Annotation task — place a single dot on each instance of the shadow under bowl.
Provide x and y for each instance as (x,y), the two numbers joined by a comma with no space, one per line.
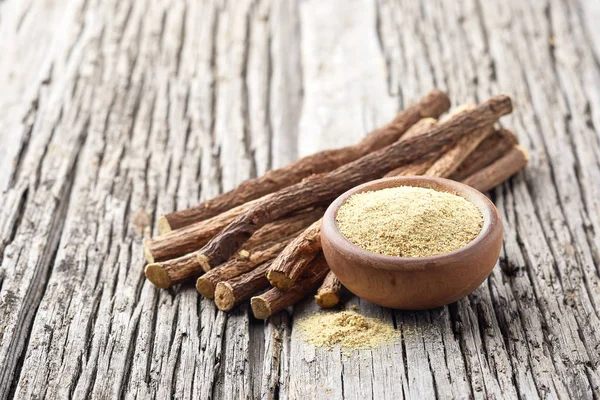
(421,282)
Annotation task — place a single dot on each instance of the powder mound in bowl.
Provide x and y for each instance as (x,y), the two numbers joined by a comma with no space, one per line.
(407,221)
(348,329)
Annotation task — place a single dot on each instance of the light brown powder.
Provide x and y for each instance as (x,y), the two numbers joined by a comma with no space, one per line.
(408,221)
(347,329)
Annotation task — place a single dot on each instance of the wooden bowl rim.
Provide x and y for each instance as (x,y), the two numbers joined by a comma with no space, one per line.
(491,222)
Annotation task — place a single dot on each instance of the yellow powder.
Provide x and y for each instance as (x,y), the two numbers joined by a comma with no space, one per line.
(348,329)
(408,221)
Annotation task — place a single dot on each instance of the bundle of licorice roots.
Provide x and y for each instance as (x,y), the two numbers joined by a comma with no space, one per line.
(261,240)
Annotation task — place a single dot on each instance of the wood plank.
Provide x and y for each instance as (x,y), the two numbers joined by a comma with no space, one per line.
(116,112)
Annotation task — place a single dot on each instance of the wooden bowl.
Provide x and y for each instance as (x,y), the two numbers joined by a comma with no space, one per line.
(421,282)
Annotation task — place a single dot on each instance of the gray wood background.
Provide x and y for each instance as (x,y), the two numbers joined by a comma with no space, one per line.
(115,111)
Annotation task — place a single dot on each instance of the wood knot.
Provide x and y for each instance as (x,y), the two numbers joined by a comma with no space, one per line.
(509,268)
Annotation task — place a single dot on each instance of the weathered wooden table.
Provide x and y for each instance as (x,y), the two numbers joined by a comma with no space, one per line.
(113,112)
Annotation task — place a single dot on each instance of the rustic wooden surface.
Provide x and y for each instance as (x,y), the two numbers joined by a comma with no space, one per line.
(113,112)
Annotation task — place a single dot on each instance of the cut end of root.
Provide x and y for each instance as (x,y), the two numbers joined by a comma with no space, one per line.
(260,308)
(157,275)
(163,225)
(224,299)
(279,280)
(327,300)
(205,287)
(148,254)
(437,103)
(524,152)
(204,262)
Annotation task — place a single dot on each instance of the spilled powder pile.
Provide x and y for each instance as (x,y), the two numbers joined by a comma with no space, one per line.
(346,328)
(408,221)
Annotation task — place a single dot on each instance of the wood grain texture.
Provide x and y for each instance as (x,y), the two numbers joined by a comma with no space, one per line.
(116,112)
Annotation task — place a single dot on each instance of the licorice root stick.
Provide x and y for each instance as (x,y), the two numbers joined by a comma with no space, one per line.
(499,171)
(328,294)
(293,260)
(447,164)
(241,264)
(185,240)
(275,300)
(232,292)
(491,149)
(433,105)
(264,245)
(190,238)
(325,187)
